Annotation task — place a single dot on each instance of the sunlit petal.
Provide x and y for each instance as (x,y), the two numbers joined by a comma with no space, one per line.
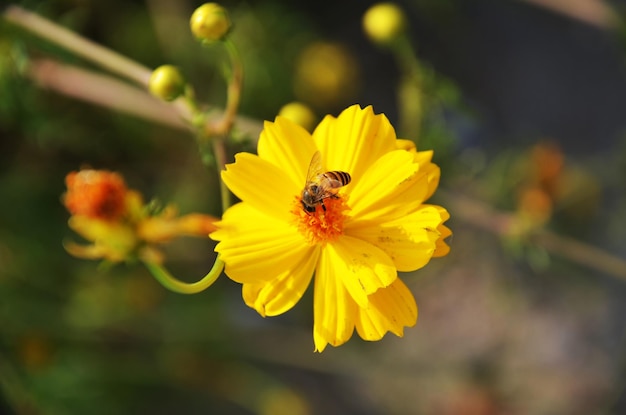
(361,266)
(391,187)
(282,292)
(354,140)
(389,309)
(256,247)
(261,184)
(291,156)
(403,144)
(442,248)
(432,171)
(334,310)
(409,241)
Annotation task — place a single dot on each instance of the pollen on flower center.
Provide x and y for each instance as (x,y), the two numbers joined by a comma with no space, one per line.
(323,225)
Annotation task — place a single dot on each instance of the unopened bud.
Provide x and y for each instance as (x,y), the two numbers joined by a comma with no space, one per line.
(210,22)
(384,22)
(167,83)
(299,114)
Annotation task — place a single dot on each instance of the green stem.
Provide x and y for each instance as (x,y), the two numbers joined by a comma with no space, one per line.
(218,133)
(233,93)
(410,90)
(230,113)
(170,282)
(219,151)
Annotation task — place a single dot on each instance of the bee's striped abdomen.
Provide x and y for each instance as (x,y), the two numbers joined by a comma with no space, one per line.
(337,178)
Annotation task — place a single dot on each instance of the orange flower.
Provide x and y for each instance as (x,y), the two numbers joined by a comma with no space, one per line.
(118,223)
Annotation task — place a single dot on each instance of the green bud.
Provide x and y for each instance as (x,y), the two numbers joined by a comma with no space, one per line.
(210,22)
(167,83)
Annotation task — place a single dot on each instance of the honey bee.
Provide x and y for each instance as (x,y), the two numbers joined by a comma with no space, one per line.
(321,185)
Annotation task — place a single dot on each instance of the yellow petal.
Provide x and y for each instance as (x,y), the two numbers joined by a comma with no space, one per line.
(361,266)
(403,144)
(87,251)
(391,187)
(333,308)
(261,184)
(389,309)
(410,241)
(423,157)
(256,247)
(432,171)
(283,292)
(354,140)
(442,247)
(287,146)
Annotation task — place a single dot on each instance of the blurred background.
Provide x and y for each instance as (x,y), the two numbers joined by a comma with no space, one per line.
(524,105)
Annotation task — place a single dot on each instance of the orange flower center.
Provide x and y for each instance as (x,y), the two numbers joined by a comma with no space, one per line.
(323,225)
(98,194)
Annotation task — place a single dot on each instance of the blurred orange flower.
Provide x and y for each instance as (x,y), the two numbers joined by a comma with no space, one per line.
(118,223)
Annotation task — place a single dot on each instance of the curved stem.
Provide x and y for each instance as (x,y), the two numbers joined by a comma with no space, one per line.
(173,284)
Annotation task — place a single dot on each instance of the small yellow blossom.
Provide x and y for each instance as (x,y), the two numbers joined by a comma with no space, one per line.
(355,240)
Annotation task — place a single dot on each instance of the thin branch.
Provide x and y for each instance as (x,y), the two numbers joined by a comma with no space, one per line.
(77,44)
(483,216)
(593,12)
(582,253)
(109,92)
(103,90)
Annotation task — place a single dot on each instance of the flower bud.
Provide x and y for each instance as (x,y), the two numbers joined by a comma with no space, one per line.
(299,114)
(384,22)
(210,22)
(167,83)
(326,75)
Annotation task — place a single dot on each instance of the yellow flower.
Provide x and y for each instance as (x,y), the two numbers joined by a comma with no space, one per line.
(354,241)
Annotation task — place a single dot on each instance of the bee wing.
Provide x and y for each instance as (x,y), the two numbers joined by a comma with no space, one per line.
(334,183)
(315,168)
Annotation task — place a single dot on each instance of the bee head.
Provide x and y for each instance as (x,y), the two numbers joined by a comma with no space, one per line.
(308,208)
